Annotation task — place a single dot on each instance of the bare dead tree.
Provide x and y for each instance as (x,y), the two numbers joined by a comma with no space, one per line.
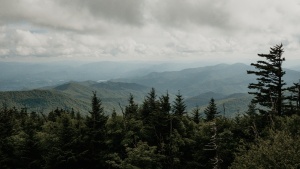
(213,146)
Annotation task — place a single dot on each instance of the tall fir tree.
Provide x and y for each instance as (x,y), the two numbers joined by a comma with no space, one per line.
(150,105)
(96,133)
(294,98)
(211,110)
(179,105)
(196,115)
(131,110)
(251,112)
(269,86)
(165,106)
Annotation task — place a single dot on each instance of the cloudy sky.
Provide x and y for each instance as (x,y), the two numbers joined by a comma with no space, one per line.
(226,30)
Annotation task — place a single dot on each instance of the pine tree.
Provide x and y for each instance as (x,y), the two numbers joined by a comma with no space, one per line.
(196,115)
(165,106)
(131,111)
(294,98)
(269,84)
(151,98)
(96,134)
(251,112)
(179,105)
(211,110)
(150,105)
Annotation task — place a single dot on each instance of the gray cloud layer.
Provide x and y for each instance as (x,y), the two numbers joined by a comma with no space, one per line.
(147,29)
(203,13)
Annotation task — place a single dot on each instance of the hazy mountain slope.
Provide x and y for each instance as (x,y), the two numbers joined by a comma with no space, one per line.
(103,89)
(41,100)
(75,95)
(234,103)
(111,93)
(223,78)
(25,76)
(78,95)
(202,99)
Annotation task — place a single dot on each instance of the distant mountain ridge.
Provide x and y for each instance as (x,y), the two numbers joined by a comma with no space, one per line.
(223,78)
(227,84)
(25,76)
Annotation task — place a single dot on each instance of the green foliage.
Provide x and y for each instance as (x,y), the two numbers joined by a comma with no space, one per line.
(279,150)
(294,99)
(131,111)
(179,105)
(147,136)
(211,110)
(196,115)
(269,86)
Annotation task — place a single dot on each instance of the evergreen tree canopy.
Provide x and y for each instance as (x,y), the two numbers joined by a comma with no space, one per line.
(294,98)
(211,110)
(96,134)
(179,105)
(97,118)
(165,106)
(196,115)
(269,84)
(132,109)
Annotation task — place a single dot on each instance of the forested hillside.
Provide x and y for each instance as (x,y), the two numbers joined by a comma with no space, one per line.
(76,96)
(41,100)
(157,132)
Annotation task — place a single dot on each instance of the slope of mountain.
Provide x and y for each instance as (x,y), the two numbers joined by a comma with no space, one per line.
(25,76)
(203,99)
(233,104)
(197,85)
(223,78)
(111,93)
(75,95)
(41,100)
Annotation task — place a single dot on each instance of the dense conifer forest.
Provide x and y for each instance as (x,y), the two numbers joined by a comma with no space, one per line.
(159,134)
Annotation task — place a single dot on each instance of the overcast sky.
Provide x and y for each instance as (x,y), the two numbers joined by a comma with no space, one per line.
(226,30)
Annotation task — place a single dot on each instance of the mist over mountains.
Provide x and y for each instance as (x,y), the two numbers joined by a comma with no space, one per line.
(71,86)
(24,76)
(222,78)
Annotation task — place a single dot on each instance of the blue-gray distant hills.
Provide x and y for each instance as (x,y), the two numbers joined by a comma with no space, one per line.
(222,78)
(227,84)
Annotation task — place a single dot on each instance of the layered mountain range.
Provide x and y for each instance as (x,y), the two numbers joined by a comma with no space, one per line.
(227,84)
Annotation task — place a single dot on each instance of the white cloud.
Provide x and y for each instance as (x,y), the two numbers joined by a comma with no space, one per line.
(147,29)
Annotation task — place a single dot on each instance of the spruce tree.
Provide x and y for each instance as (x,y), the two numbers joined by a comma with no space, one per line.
(211,110)
(269,84)
(165,106)
(251,112)
(196,115)
(150,105)
(132,109)
(96,133)
(294,98)
(179,105)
